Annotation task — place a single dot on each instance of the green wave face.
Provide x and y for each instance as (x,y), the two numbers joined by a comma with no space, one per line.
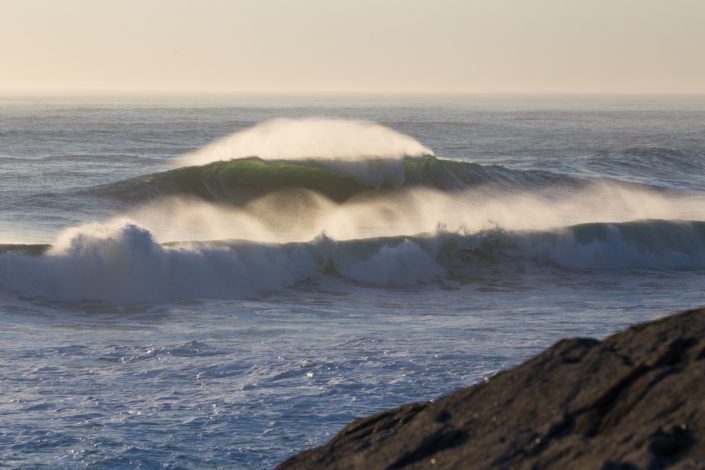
(241,180)
(653,236)
(454,175)
(26,250)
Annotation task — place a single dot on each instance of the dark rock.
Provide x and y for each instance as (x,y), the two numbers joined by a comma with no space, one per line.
(633,401)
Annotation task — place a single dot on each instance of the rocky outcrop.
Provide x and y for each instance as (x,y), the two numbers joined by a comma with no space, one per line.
(633,400)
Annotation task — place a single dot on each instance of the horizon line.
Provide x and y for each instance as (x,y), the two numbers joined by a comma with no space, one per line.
(67,93)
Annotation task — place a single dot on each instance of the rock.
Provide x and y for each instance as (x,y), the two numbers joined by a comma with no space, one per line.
(633,400)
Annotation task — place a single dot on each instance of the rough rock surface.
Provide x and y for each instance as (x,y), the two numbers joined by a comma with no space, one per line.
(633,400)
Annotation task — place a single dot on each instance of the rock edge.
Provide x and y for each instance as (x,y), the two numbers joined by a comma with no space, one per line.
(634,400)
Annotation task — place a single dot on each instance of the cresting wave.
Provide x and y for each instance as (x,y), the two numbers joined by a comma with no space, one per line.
(318,199)
(121,262)
(338,159)
(370,153)
(310,138)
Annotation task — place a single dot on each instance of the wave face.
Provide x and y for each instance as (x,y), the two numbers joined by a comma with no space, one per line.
(122,262)
(237,182)
(647,244)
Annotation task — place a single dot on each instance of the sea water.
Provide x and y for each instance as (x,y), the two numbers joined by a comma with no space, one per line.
(221,282)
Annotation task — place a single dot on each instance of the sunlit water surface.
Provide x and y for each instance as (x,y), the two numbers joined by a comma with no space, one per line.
(244,382)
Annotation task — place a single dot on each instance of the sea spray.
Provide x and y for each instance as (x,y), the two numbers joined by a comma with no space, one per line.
(392,214)
(310,138)
(299,216)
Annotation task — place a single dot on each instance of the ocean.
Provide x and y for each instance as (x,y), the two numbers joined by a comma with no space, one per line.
(220,282)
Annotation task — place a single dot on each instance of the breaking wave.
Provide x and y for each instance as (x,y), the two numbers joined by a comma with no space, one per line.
(288,201)
(122,262)
(337,159)
(310,138)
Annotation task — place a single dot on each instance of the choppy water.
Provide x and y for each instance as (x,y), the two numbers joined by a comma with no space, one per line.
(228,314)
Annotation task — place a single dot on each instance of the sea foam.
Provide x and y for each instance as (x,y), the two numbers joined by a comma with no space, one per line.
(121,262)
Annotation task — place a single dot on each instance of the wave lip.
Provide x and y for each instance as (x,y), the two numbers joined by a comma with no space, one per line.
(310,138)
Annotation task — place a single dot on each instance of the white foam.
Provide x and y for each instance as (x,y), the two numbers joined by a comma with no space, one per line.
(121,262)
(404,264)
(316,138)
(367,151)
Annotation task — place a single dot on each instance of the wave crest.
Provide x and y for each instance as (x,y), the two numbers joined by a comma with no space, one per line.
(310,138)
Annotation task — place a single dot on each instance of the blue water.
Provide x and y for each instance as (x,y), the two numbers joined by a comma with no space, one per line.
(120,352)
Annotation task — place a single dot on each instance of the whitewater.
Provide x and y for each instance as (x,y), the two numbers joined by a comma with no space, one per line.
(219,283)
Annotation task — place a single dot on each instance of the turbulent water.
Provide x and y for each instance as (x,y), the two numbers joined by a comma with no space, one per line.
(215,283)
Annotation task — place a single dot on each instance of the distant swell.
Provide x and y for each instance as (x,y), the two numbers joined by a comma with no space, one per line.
(239,181)
(123,263)
(676,167)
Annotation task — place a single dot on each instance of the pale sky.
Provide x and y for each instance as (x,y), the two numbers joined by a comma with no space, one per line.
(352,46)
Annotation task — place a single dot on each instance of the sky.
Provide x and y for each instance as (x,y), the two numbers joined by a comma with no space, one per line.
(352,46)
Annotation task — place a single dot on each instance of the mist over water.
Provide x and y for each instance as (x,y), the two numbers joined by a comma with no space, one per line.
(249,282)
(279,218)
(367,151)
(310,138)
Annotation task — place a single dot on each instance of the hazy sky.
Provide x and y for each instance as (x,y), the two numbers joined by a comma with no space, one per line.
(308,46)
